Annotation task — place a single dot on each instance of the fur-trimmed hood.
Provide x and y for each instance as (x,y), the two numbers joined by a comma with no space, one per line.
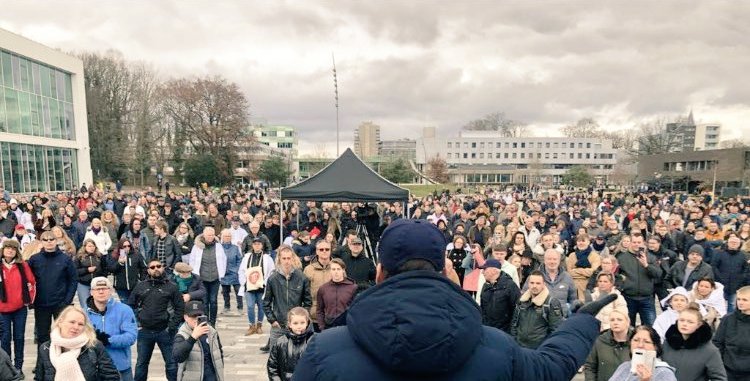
(701,336)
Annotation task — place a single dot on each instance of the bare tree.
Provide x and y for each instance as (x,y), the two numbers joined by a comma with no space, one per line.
(437,169)
(733,143)
(653,138)
(211,116)
(498,122)
(584,128)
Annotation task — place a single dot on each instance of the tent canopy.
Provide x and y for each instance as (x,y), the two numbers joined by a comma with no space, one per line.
(347,179)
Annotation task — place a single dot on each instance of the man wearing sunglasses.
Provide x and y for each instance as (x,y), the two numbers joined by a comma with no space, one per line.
(318,272)
(56,282)
(151,299)
(358,267)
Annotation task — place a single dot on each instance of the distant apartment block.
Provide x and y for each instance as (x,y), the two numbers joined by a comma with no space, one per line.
(367,140)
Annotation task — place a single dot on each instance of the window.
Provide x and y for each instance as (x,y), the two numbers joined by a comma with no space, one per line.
(554,155)
(588,156)
(523,145)
(555,145)
(539,145)
(466,155)
(580,145)
(473,155)
(498,145)
(507,145)
(449,155)
(588,145)
(523,155)
(473,145)
(481,145)
(546,155)
(547,145)
(572,155)
(450,145)
(497,155)
(539,155)
(565,145)
(466,144)
(481,155)
(580,155)
(514,155)
(506,155)
(515,145)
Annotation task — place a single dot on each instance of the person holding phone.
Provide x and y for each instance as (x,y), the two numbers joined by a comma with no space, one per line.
(645,345)
(203,362)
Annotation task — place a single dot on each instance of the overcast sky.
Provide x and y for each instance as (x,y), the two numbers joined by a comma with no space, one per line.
(405,65)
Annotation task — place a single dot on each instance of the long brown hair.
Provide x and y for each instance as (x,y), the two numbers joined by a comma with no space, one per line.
(82,251)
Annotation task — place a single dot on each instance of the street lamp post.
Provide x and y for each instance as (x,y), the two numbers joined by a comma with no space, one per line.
(713,185)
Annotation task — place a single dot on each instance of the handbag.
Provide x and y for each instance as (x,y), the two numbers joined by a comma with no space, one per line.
(259,283)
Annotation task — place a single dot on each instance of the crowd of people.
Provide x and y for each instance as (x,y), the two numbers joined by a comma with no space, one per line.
(151,265)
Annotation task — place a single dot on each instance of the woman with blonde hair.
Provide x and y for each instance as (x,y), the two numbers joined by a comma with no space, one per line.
(64,243)
(73,353)
(112,224)
(99,234)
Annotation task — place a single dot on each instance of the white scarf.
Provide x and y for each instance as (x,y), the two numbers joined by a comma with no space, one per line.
(66,363)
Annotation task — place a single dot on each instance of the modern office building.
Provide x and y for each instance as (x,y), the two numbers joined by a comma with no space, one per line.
(44,143)
(726,167)
(689,136)
(282,141)
(485,157)
(367,140)
(402,148)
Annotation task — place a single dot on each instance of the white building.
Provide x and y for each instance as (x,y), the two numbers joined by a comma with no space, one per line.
(367,140)
(485,157)
(44,142)
(707,136)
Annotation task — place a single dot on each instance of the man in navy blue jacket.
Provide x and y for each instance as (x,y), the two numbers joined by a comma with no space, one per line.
(56,282)
(418,325)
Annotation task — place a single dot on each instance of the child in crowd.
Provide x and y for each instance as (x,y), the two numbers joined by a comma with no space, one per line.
(283,357)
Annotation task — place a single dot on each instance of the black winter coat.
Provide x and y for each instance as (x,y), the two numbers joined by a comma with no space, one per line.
(360,268)
(282,294)
(128,274)
(499,301)
(95,364)
(731,339)
(82,268)
(151,298)
(676,276)
(285,353)
(731,269)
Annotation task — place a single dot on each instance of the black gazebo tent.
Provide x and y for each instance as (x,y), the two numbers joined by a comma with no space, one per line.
(347,179)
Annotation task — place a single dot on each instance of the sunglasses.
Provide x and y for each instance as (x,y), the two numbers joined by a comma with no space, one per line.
(154,267)
(48,239)
(356,244)
(324,249)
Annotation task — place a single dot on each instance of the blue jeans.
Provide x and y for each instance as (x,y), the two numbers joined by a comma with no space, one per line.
(254,298)
(226,292)
(126,375)
(123,294)
(145,345)
(643,306)
(211,300)
(84,291)
(731,301)
(15,322)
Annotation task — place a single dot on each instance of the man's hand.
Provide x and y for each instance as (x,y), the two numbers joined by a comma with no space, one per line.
(275,325)
(200,330)
(103,337)
(593,308)
(643,259)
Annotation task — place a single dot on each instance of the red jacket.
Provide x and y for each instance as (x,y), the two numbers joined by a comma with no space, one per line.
(333,299)
(11,283)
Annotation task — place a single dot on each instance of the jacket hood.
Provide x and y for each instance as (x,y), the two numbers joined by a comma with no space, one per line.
(296,339)
(418,320)
(701,336)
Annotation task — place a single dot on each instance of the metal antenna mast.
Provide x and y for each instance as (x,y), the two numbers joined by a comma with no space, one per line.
(336,93)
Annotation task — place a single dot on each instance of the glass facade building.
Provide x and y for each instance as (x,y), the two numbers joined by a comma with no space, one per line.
(43,132)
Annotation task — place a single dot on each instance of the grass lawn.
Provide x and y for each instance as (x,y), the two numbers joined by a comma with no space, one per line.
(419,190)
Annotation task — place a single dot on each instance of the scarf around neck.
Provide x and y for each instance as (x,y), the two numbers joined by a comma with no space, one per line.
(582,257)
(66,363)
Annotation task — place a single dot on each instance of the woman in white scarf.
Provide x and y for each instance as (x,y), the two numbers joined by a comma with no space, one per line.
(710,295)
(73,352)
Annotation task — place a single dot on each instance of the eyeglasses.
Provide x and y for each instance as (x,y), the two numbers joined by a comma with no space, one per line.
(154,267)
(323,249)
(48,239)
(100,289)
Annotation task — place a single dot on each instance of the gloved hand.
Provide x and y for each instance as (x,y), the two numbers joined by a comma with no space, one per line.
(103,337)
(593,308)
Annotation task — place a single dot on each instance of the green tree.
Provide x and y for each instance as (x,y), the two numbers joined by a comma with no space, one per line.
(204,168)
(274,171)
(578,176)
(397,171)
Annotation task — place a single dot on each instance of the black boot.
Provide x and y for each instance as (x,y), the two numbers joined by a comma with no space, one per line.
(266,348)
